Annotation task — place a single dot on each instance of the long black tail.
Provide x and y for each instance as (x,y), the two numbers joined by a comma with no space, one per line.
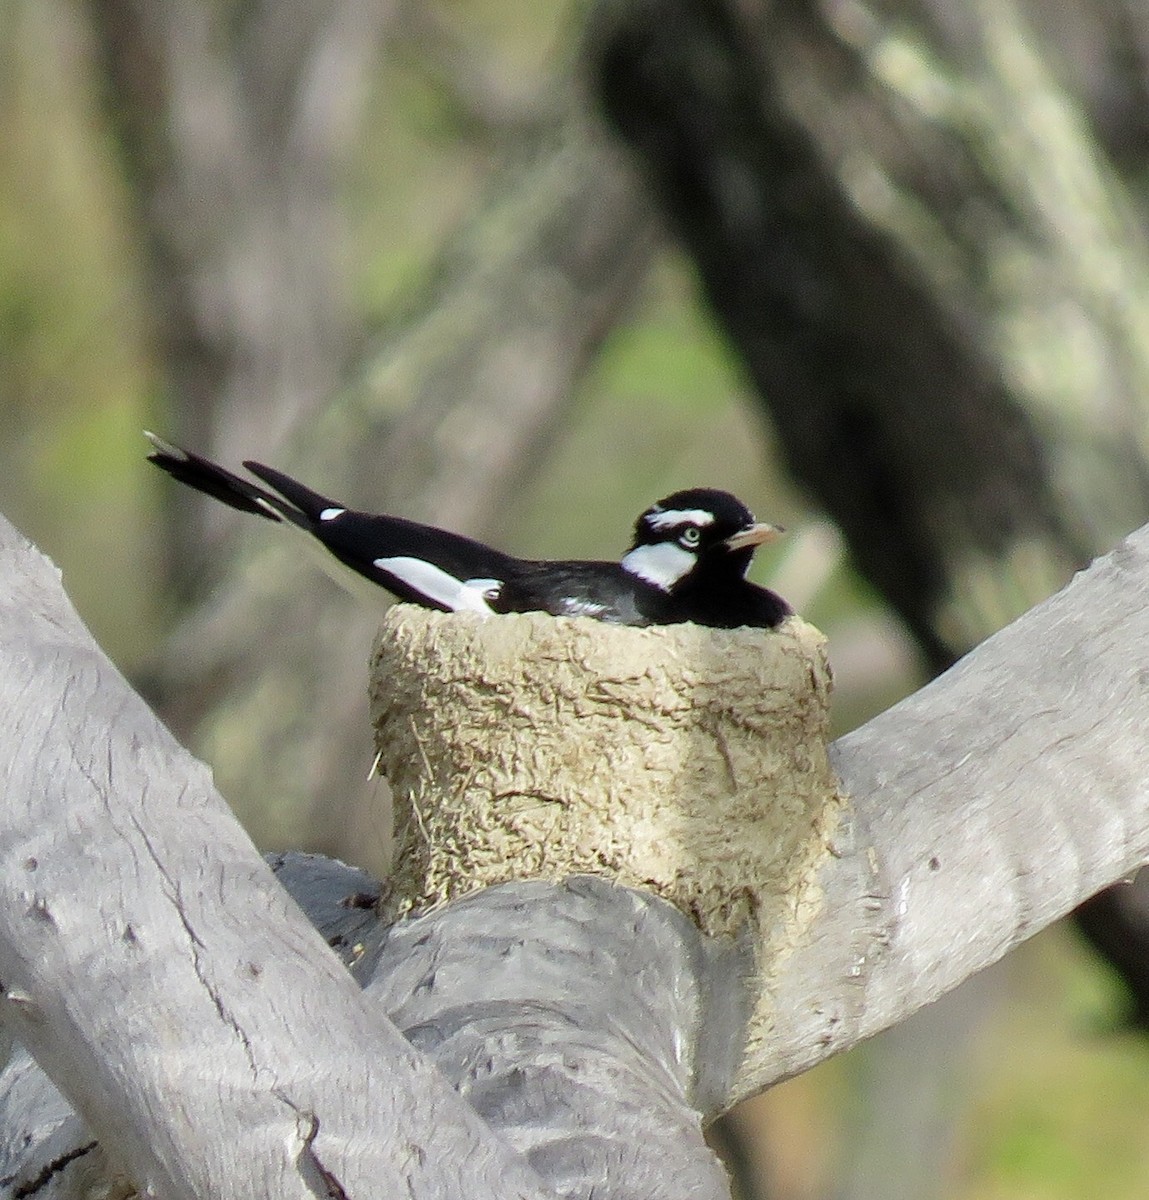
(298,505)
(303,500)
(205,476)
(300,511)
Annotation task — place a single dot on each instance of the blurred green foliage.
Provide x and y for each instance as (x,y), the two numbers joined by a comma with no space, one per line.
(75,377)
(1062,1098)
(1060,1109)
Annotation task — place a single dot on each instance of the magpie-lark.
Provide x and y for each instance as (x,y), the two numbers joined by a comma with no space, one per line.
(687,562)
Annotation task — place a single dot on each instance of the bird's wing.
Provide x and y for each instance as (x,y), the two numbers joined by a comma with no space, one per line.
(602,590)
(360,551)
(416,562)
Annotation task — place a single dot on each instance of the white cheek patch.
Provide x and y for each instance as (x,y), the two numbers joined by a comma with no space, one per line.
(663,564)
(436,584)
(667,518)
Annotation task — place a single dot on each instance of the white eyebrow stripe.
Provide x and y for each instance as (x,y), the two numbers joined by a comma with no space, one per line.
(667,517)
(436,584)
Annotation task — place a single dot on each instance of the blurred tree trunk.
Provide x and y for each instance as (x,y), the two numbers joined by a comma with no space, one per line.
(922,229)
(895,397)
(448,416)
(234,123)
(920,226)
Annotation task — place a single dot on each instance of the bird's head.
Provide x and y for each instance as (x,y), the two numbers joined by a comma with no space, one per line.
(695,534)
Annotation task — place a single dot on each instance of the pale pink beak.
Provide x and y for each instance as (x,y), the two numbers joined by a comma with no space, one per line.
(754,535)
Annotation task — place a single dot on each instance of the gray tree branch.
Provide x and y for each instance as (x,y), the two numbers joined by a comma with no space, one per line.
(986,806)
(161,977)
(983,808)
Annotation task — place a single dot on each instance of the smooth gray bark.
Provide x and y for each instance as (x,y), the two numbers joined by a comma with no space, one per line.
(984,807)
(163,979)
(592,1025)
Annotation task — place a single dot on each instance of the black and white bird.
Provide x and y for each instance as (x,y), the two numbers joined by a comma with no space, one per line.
(688,560)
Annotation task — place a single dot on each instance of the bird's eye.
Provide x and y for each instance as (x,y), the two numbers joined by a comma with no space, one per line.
(690,537)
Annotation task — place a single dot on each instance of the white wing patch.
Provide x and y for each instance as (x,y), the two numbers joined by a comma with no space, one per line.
(667,518)
(663,564)
(436,584)
(329,514)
